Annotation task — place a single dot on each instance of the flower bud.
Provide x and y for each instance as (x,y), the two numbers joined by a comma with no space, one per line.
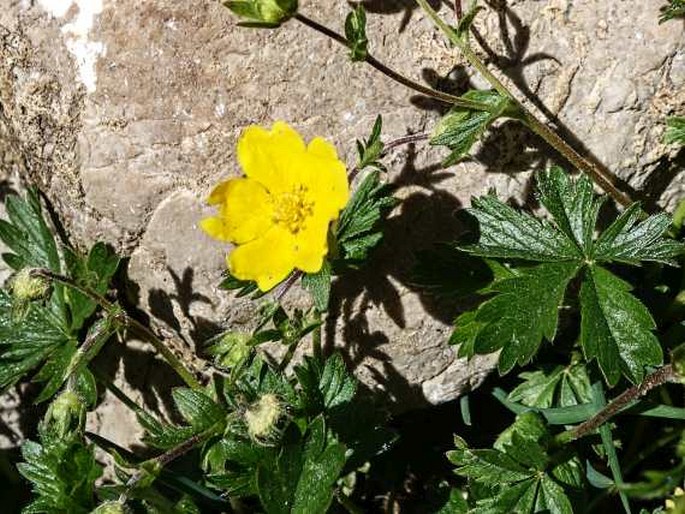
(267,13)
(111,507)
(26,287)
(231,350)
(65,413)
(262,417)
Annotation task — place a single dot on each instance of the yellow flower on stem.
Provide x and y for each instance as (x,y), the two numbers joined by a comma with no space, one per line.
(279,213)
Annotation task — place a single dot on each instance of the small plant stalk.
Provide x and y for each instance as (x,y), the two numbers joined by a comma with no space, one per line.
(602,177)
(389,72)
(665,374)
(118,314)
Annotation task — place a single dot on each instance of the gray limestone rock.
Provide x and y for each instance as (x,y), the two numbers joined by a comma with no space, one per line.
(126,113)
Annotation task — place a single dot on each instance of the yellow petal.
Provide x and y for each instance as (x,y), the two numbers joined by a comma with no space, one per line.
(311,245)
(215,228)
(218,194)
(326,180)
(267,260)
(246,211)
(322,148)
(271,157)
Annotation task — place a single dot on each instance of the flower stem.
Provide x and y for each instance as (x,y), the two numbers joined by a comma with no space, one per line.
(165,459)
(663,375)
(389,72)
(129,322)
(599,174)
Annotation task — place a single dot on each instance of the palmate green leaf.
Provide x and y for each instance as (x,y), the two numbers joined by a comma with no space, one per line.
(524,310)
(560,386)
(359,230)
(302,478)
(355,33)
(567,247)
(27,342)
(518,471)
(460,128)
(616,328)
(62,472)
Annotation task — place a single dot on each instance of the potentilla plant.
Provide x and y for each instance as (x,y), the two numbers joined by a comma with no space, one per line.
(585,305)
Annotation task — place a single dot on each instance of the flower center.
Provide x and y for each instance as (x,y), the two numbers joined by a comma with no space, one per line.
(292,209)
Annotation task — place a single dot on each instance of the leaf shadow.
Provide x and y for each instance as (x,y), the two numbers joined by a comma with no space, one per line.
(426,215)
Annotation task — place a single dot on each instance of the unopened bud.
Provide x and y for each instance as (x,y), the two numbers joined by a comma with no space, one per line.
(269,13)
(232,349)
(112,507)
(65,412)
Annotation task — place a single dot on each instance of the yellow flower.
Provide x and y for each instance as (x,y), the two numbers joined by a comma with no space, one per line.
(278,214)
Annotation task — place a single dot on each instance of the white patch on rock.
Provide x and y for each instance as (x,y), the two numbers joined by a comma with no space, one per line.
(76,32)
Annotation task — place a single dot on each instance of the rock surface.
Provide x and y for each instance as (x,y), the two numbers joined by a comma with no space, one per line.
(126,113)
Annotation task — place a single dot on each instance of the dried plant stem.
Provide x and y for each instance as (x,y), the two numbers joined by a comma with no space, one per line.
(663,375)
(599,174)
(131,323)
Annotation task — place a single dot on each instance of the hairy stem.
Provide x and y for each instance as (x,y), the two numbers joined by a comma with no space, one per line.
(165,459)
(600,175)
(389,72)
(663,375)
(129,322)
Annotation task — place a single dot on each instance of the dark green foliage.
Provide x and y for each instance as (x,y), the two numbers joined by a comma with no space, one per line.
(674,9)
(675,131)
(560,386)
(359,228)
(518,473)
(355,33)
(40,336)
(319,286)
(371,150)
(460,128)
(300,480)
(93,272)
(615,327)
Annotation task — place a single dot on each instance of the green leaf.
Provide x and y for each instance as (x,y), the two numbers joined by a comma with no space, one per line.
(616,328)
(355,33)
(93,272)
(319,286)
(518,472)
(466,21)
(508,234)
(630,242)
(324,387)
(460,128)
(559,386)
(27,233)
(197,409)
(371,150)
(62,472)
(27,342)
(359,228)
(567,245)
(674,9)
(675,132)
(524,310)
(302,478)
